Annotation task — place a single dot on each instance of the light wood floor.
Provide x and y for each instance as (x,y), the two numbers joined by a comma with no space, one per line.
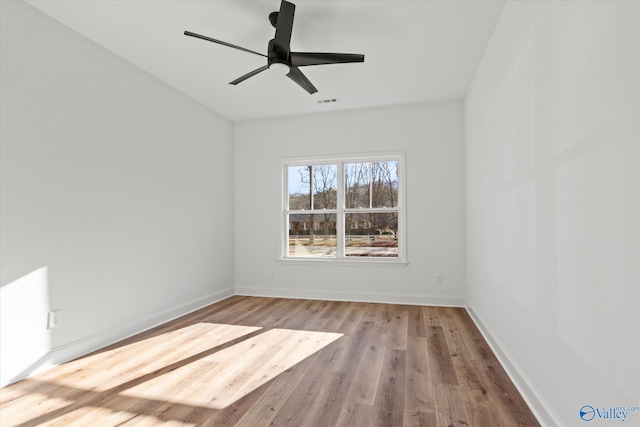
(250,361)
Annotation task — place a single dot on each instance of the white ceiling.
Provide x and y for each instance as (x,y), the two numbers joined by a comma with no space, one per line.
(415,51)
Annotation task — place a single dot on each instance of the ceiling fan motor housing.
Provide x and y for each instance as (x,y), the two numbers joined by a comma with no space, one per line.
(274,58)
(273,18)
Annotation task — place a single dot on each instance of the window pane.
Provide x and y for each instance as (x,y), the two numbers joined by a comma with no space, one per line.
(325,186)
(357,185)
(384,184)
(312,235)
(368,200)
(298,187)
(371,234)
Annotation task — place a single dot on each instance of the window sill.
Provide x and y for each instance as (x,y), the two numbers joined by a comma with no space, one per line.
(343,262)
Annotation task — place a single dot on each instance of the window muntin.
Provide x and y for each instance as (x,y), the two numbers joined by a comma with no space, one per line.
(344,209)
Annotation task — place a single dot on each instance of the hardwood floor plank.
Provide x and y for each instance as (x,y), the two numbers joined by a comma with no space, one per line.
(356,415)
(420,419)
(440,357)
(416,326)
(306,391)
(329,401)
(367,375)
(399,328)
(389,401)
(277,393)
(450,406)
(354,318)
(251,361)
(420,391)
(335,315)
(382,316)
(430,315)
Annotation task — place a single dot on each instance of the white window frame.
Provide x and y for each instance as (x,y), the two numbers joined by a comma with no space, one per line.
(341,210)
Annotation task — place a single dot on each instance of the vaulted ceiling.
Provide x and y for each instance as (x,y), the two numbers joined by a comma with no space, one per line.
(415,51)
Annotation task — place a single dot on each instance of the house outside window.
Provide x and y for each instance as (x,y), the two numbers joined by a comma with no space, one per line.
(345,208)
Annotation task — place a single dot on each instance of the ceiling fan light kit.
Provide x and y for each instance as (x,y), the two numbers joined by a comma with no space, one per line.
(280,68)
(279,55)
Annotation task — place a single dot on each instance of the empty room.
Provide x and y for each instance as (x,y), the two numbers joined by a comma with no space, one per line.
(320,213)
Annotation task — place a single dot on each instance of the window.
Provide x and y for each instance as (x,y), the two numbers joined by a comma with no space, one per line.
(345,208)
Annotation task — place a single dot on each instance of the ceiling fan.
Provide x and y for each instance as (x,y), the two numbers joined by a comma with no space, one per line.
(279,53)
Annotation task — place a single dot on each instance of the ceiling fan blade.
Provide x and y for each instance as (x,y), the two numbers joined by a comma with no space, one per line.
(284,25)
(198,36)
(296,75)
(246,76)
(302,59)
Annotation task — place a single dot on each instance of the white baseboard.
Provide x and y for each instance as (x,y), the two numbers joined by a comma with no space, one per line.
(91,343)
(530,394)
(376,297)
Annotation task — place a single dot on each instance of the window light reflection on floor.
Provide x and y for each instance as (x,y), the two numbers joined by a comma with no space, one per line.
(224,377)
(202,367)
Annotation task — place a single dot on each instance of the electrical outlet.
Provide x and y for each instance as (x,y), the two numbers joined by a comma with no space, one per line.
(272,274)
(54,319)
(439,279)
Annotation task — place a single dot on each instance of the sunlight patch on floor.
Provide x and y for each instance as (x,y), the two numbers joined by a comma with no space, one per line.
(113,368)
(115,386)
(224,377)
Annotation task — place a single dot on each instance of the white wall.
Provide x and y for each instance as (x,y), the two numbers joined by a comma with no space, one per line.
(431,135)
(553,203)
(117,195)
